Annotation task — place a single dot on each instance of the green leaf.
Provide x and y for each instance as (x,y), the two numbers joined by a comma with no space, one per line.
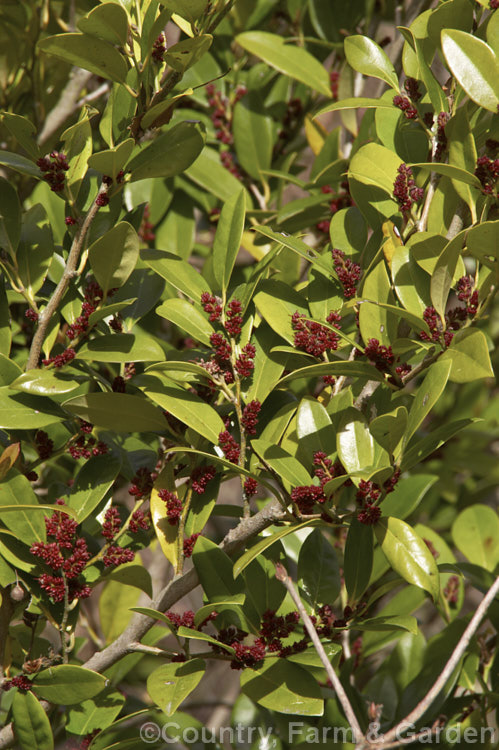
(432,442)
(476,534)
(122,347)
(367,57)
(412,285)
(10,217)
(376,165)
(392,622)
(167,533)
(93,481)
(318,570)
(427,395)
(198,635)
(177,272)
(23,131)
(408,554)
(291,471)
(469,356)
(170,684)
(209,173)
(252,131)
(358,562)
(44,383)
(67,684)
(186,53)
(314,428)
(449,170)
(276,302)
(298,247)
(268,366)
(188,318)
(357,102)
(347,368)
(228,239)
(266,542)
(283,686)
(214,569)
(114,255)
(111,161)
(28,526)
(118,411)
(36,249)
(87,52)
(132,575)
(354,442)
(77,141)
(388,429)
(108,22)
(189,408)
(115,603)
(474,65)
(23,411)
(20,164)
(31,724)
(97,713)
(169,154)
(288,59)
(377,321)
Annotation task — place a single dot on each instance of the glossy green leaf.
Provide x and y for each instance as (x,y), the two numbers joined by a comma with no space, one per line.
(28,526)
(170,684)
(427,395)
(186,53)
(432,442)
(360,102)
(189,9)
(30,722)
(20,164)
(122,347)
(347,368)
(450,170)
(268,366)
(189,408)
(289,59)
(476,534)
(408,554)
(166,533)
(314,428)
(23,411)
(118,411)
(284,687)
(44,383)
(367,57)
(134,575)
(253,131)
(358,559)
(354,442)
(248,557)
(23,131)
(208,172)
(227,239)
(469,356)
(299,247)
(376,165)
(292,472)
(111,161)
(10,217)
(393,622)
(67,684)
(97,713)
(188,318)
(411,283)
(474,65)
(108,22)
(115,603)
(93,481)
(318,570)
(87,52)
(114,255)
(378,321)
(177,272)
(388,429)
(169,154)
(214,569)
(198,635)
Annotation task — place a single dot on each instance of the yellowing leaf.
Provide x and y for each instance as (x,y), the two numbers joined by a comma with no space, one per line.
(167,533)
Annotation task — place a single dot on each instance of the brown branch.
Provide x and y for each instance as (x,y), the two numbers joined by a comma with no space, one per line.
(67,104)
(282,575)
(60,290)
(126,643)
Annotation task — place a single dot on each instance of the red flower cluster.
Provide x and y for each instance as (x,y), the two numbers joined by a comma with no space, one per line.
(93,296)
(185,620)
(189,543)
(116,555)
(389,485)
(407,107)
(250,416)
(411,86)
(451,591)
(487,171)
(43,444)
(307,496)
(54,169)
(368,491)
(60,359)
(221,117)
(83,447)
(274,627)
(65,554)
(347,271)
(381,356)
(31,315)
(244,363)
(141,483)
(229,446)
(467,293)
(442,119)
(234,318)
(201,476)
(69,221)
(102,200)
(118,385)
(369,514)
(146,229)
(250,487)
(112,523)
(334,79)
(313,337)
(173,506)
(20,682)
(158,49)
(404,189)
(212,305)
(139,520)
(326,470)
(434,323)
(340,200)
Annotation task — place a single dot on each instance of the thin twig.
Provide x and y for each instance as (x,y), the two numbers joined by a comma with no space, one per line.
(60,290)
(341,380)
(452,663)
(282,575)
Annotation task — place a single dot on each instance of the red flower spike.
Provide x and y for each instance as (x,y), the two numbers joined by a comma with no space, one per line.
(230,447)
(250,416)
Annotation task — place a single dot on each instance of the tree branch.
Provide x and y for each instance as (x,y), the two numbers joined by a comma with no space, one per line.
(281,575)
(67,104)
(60,290)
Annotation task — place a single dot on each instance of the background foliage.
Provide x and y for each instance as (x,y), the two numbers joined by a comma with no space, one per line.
(247,316)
